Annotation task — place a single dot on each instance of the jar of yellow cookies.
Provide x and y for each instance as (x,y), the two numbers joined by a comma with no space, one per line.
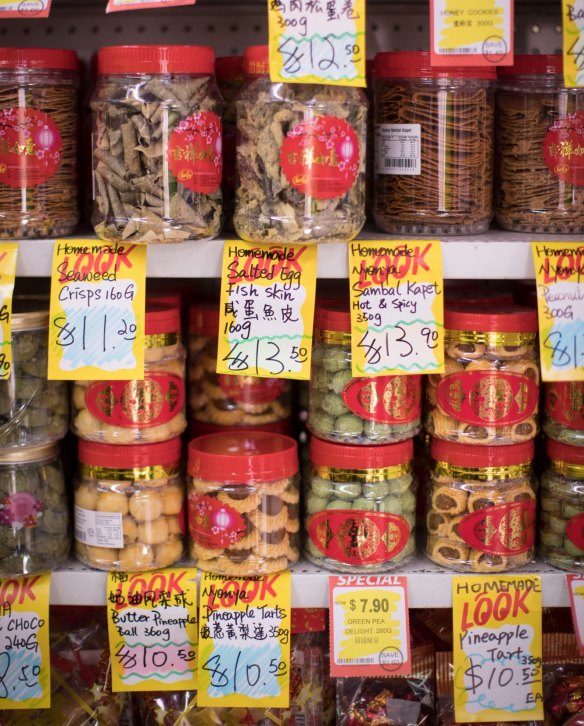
(243,502)
(129,506)
(145,411)
(564,411)
(480,508)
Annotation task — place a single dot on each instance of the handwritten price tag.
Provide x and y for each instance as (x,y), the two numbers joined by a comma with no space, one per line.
(397,314)
(267,309)
(244,641)
(152,627)
(96,325)
(370,631)
(471,33)
(576,591)
(25,666)
(115,6)
(559,274)
(573,42)
(497,648)
(25,8)
(7,277)
(314,41)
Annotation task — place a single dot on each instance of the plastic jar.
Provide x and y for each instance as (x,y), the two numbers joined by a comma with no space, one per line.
(38,144)
(434,135)
(561,516)
(540,123)
(34,513)
(300,158)
(348,410)
(243,502)
(229,74)
(480,510)
(564,411)
(360,506)
(144,411)
(225,400)
(157,146)
(33,410)
(489,391)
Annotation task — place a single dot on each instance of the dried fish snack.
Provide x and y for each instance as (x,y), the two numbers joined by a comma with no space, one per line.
(300,158)
(434,135)
(38,142)
(539,128)
(157,145)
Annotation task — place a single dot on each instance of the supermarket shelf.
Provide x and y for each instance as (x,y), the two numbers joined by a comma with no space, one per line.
(429,586)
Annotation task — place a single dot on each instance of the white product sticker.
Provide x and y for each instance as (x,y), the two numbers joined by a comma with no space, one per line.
(99,529)
(397,149)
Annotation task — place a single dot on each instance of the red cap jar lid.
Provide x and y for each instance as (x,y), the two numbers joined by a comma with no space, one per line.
(309,620)
(340,456)
(229,68)
(114,456)
(534,65)
(485,319)
(332,316)
(416,64)
(477,457)
(162,318)
(200,428)
(39,59)
(204,319)
(564,452)
(256,61)
(243,458)
(156,59)
(166,298)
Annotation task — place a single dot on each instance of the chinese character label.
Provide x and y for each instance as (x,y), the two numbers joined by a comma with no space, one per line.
(7,276)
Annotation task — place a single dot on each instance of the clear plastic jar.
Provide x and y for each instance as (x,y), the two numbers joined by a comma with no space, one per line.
(489,391)
(223,400)
(229,74)
(561,515)
(38,144)
(34,512)
(157,144)
(564,411)
(300,158)
(360,506)
(33,410)
(243,502)
(434,136)
(540,123)
(348,410)
(144,411)
(129,506)
(480,509)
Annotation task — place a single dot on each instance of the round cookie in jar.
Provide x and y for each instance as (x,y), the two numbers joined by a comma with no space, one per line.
(360,506)
(223,400)
(129,506)
(139,411)
(480,507)
(564,411)
(489,392)
(347,410)
(243,500)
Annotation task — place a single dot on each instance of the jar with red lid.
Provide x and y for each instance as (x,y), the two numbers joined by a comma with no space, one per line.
(224,400)
(129,506)
(489,391)
(539,127)
(139,411)
(157,144)
(348,410)
(360,506)
(243,502)
(480,509)
(564,411)
(39,194)
(434,134)
(229,75)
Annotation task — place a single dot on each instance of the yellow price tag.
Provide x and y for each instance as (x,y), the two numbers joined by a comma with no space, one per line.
(8,254)
(573,42)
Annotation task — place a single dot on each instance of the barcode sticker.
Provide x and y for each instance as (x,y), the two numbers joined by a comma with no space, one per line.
(354,661)
(397,149)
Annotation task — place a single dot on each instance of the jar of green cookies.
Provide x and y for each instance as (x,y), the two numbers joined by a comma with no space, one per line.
(348,410)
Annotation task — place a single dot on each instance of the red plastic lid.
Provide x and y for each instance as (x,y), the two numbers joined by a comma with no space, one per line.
(229,68)
(204,318)
(457,296)
(114,456)
(332,316)
(162,318)
(309,620)
(241,458)
(199,428)
(534,65)
(39,59)
(565,452)
(481,456)
(156,59)
(416,64)
(166,298)
(341,456)
(490,319)
(256,61)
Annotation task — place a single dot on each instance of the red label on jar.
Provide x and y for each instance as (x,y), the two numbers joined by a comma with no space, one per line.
(498,398)
(248,389)
(320,157)
(358,538)
(563,148)
(137,404)
(20,510)
(213,524)
(564,403)
(30,147)
(575,530)
(505,529)
(195,152)
(386,399)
